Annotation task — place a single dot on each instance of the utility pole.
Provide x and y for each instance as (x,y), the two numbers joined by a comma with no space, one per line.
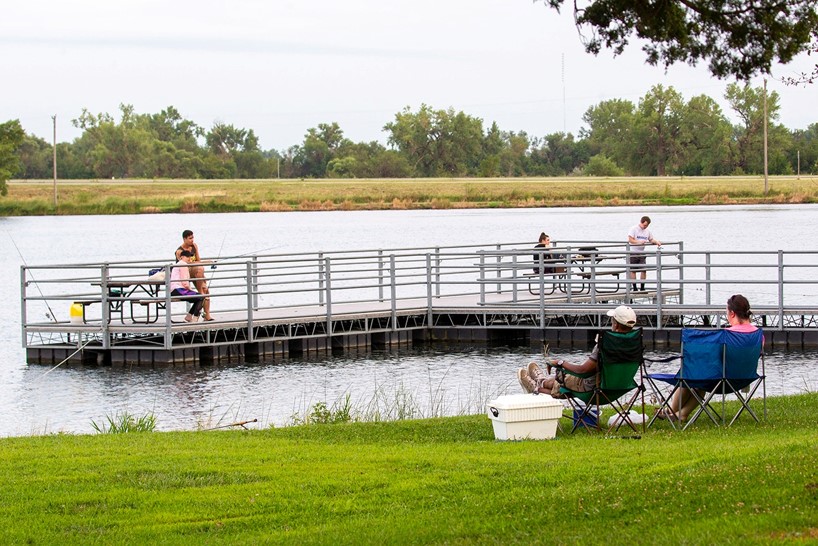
(54,159)
(564,115)
(766,178)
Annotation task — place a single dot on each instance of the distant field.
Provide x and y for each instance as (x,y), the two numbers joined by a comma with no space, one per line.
(158,196)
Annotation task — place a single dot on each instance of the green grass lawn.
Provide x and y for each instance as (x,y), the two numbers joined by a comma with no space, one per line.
(427,481)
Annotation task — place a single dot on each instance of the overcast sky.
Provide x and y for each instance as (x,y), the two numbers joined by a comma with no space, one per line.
(281,67)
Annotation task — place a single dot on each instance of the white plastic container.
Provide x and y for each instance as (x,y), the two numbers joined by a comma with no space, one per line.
(524,416)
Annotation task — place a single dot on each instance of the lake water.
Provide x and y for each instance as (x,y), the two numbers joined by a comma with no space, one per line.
(439,381)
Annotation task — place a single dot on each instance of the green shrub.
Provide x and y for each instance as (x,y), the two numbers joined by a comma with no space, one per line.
(601,165)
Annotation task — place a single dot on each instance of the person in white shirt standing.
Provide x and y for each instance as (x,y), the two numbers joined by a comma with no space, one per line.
(638,237)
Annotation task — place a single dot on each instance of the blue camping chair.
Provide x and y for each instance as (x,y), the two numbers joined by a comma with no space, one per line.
(716,363)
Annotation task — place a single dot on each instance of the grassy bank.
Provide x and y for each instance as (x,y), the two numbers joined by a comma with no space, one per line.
(135,197)
(428,481)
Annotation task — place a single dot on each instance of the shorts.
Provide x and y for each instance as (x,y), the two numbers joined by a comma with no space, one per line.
(637,259)
(572,382)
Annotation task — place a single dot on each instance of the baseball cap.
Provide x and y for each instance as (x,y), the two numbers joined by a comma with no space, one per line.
(624,315)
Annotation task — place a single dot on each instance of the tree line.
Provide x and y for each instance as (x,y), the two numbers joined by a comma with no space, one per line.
(661,134)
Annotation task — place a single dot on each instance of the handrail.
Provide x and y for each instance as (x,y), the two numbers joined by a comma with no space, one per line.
(472,277)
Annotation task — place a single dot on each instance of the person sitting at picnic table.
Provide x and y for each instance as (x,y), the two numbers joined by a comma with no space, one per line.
(683,402)
(180,286)
(533,379)
(197,271)
(544,243)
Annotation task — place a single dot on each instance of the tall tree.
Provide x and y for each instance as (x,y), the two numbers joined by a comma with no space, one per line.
(804,152)
(438,142)
(514,160)
(657,132)
(610,130)
(321,145)
(748,104)
(738,38)
(35,158)
(113,150)
(11,137)
(237,150)
(556,155)
(706,136)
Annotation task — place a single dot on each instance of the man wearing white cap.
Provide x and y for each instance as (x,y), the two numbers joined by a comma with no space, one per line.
(533,379)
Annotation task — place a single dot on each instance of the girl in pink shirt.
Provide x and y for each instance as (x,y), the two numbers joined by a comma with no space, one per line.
(180,286)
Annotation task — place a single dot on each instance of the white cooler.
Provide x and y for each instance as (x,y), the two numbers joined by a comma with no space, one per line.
(524,416)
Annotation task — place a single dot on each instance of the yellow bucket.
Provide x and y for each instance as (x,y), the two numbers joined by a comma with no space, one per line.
(76,313)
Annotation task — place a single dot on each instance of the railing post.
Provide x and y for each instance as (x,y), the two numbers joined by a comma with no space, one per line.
(592,262)
(320,278)
(106,310)
(328,277)
(499,269)
(481,278)
(780,290)
(168,341)
(707,298)
(380,275)
(681,257)
(394,291)
(24,305)
(438,262)
(659,298)
(255,282)
(569,275)
(252,302)
(514,278)
(428,290)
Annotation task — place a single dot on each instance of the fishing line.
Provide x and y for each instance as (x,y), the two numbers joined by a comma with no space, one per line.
(218,256)
(83,346)
(50,313)
(252,252)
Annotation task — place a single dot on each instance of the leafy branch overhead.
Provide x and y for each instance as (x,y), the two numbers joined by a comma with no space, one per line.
(738,38)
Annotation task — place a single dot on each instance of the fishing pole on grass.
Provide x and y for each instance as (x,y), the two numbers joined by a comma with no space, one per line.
(50,314)
(239,424)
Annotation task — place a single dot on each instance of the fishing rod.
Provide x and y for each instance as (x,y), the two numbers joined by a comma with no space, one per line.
(219,255)
(239,424)
(50,314)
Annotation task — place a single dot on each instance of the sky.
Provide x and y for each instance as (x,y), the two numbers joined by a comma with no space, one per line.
(281,67)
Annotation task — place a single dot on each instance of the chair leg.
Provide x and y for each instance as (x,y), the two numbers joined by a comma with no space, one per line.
(745,402)
(664,404)
(704,407)
(579,414)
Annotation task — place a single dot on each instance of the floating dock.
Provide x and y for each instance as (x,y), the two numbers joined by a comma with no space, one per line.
(273,306)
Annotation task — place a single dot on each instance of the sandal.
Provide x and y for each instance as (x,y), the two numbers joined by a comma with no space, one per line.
(667,415)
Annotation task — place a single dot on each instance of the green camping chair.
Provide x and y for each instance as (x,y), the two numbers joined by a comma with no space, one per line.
(620,361)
